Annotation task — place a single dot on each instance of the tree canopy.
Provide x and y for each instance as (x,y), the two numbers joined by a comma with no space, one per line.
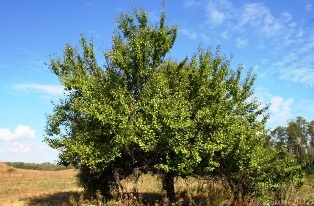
(297,138)
(195,117)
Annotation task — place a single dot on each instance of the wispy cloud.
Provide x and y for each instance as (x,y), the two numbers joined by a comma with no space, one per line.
(290,42)
(191,3)
(17,147)
(17,151)
(218,12)
(280,110)
(20,132)
(40,88)
(303,75)
(188,33)
(241,42)
(45,149)
(279,105)
(225,35)
(297,65)
(254,18)
(259,18)
(308,7)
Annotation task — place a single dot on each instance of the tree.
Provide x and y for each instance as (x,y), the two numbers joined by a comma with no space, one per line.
(204,115)
(95,126)
(297,142)
(311,142)
(140,111)
(297,138)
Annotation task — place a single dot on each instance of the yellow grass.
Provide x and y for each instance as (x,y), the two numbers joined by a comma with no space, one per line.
(306,193)
(32,187)
(19,187)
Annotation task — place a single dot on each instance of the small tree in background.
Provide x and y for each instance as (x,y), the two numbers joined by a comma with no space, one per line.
(175,119)
(297,138)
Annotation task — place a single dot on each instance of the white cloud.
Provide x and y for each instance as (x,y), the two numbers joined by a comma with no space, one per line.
(259,17)
(280,110)
(256,26)
(255,17)
(308,7)
(217,17)
(189,34)
(20,132)
(16,147)
(252,13)
(303,76)
(218,12)
(45,149)
(252,19)
(241,42)
(286,17)
(41,88)
(297,66)
(36,153)
(225,35)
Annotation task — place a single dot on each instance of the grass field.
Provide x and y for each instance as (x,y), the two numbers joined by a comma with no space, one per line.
(33,187)
(20,187)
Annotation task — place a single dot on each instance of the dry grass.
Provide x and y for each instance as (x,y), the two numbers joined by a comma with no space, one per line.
(190,191)
(32,187)
(19,187)
(306,193)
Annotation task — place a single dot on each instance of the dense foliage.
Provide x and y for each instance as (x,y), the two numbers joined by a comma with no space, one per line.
(298,139)
(194,117)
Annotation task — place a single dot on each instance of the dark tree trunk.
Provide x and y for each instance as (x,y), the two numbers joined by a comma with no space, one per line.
(168,185)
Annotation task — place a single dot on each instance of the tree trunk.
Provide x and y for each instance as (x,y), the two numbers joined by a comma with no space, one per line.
(168,185)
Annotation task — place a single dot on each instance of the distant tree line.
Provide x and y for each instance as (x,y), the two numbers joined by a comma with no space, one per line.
(38,166)
(297,138)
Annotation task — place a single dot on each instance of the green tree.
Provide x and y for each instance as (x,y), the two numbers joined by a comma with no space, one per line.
(311,142)
(274,173)
(95,128)
(198,117)
(297,142)
(140,111)
(297,138)
(223,123)
(278,137)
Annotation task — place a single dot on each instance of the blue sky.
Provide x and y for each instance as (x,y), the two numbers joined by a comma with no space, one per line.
(275,38)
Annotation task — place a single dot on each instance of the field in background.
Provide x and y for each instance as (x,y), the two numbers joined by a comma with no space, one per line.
(34,187)
(35,166)
(20,187)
